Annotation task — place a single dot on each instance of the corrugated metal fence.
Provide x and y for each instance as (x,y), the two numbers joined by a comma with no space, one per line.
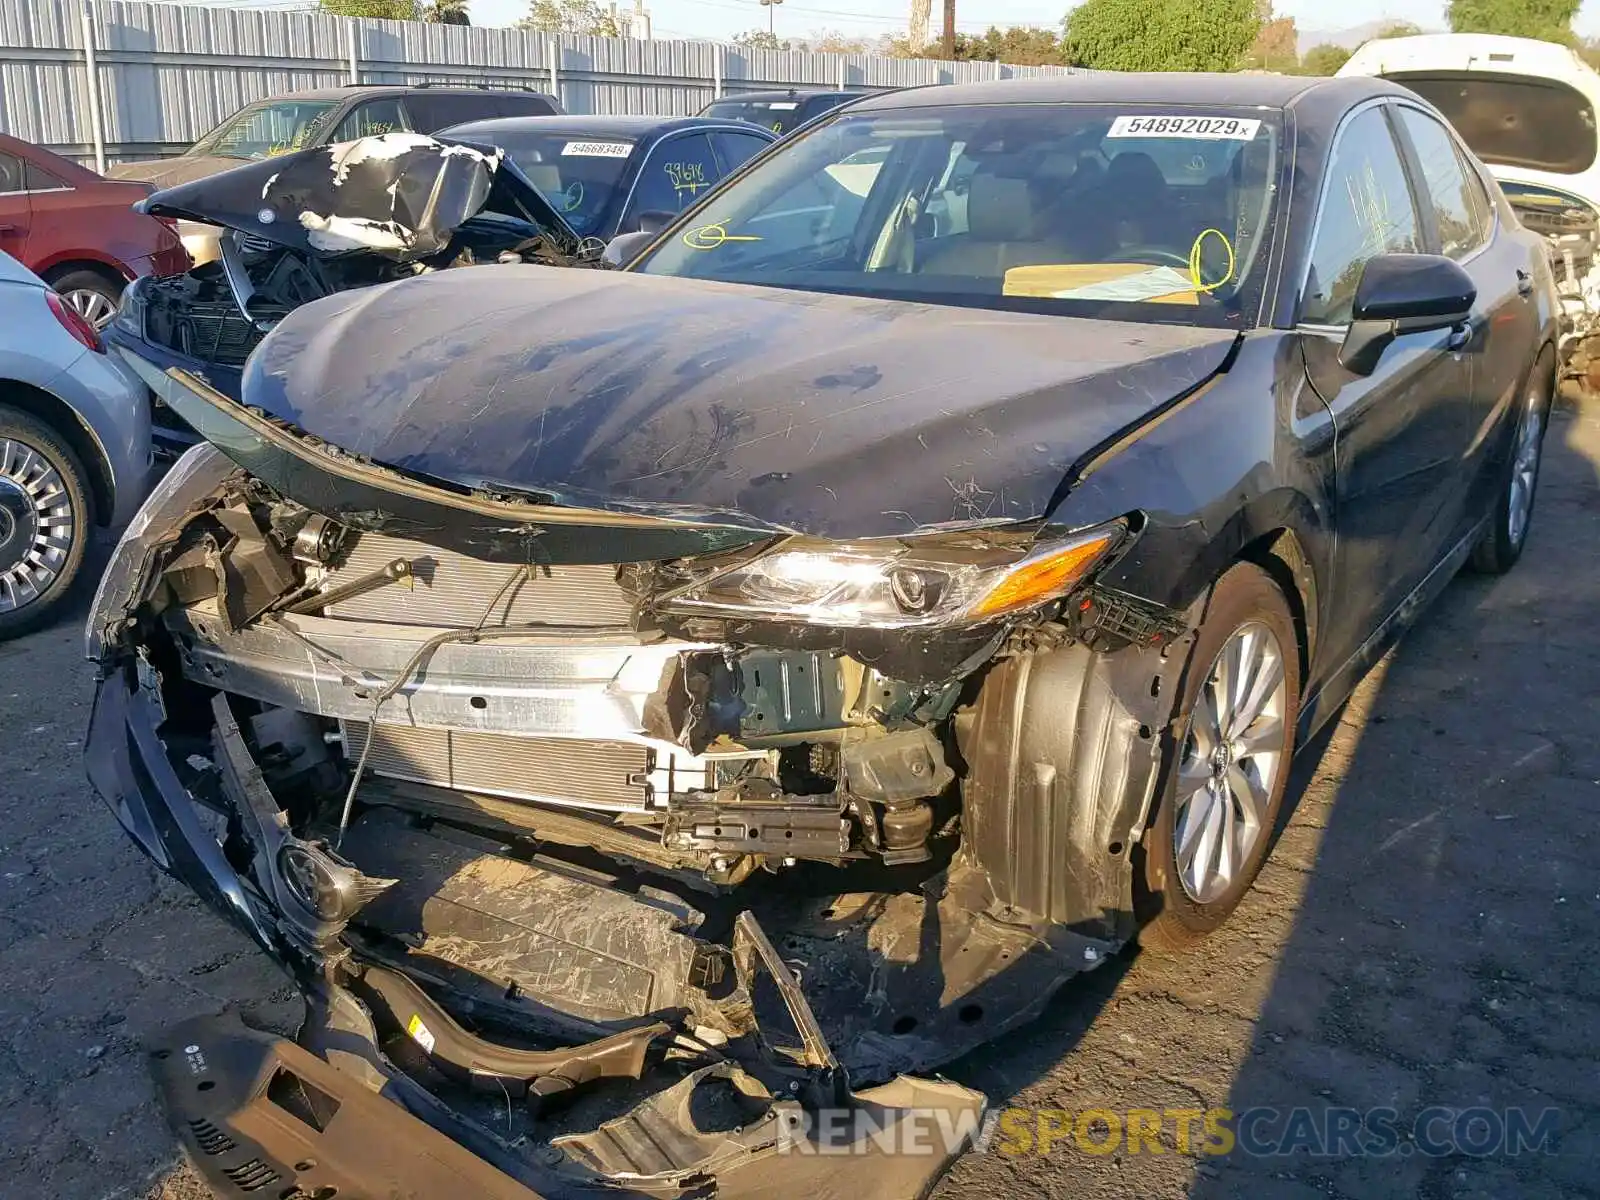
(166,73)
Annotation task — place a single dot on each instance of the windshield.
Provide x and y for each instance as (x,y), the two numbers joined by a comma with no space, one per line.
(1513,121)
(780,116)
(270,128)
(1085,210)
(578,175)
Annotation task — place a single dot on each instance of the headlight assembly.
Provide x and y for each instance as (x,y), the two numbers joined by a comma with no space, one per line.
(921,582)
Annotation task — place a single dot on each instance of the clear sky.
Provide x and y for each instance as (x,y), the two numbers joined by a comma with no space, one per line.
(870,18)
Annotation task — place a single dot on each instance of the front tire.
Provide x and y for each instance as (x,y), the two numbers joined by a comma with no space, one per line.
(1502,543)
(92,295)
(45,518)
(1228,764)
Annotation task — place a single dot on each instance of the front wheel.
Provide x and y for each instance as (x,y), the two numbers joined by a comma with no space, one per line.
(1502,542)
(44,521)
(1231,753)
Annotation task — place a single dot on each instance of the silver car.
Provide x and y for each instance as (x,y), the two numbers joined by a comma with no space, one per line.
(74,446)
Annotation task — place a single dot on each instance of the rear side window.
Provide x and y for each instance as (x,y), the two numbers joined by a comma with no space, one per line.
(1366,211)
(1456,201)
(36,179)
(10,174)
(736,149)
(433,111)
(523,104)
(680,170)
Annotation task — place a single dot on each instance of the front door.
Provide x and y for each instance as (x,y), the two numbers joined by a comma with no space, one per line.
(1400,432)
(1506,316)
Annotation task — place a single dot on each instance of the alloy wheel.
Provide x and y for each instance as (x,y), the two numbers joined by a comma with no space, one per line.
(1232,754)
(1525,468)
(94,307)
(37,524)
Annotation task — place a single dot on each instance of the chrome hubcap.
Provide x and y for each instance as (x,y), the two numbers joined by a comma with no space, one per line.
(36,525)
(1232,754)
(1525,469)
(91,306)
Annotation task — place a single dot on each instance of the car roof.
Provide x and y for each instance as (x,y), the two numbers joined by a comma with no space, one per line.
(70,171)
(363,90)
(590,126)
(1167,87)
(781,94)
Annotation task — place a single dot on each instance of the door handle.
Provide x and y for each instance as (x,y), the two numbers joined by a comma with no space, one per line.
(1524,283)
(1460,336)
(7,228)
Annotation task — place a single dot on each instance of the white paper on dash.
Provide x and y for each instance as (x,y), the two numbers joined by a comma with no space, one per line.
(1146,285)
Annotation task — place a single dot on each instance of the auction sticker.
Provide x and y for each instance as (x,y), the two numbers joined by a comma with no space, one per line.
(1218,129)
(597,150)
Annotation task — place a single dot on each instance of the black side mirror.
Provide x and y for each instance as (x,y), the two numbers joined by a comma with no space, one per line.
(1403,293)
(624,248)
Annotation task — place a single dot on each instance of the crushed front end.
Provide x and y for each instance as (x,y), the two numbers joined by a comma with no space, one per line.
(614,848)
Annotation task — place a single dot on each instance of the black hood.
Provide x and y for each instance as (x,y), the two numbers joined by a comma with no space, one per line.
(829,415)
(400,195)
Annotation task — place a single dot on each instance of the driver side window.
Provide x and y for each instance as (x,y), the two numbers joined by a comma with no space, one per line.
(1367,210)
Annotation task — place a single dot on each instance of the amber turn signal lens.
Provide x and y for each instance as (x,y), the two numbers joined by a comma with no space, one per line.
(1043,578)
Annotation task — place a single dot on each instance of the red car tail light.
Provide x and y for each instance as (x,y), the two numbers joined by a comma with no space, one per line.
(73,322)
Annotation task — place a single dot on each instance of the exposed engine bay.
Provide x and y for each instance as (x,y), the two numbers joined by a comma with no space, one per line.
(555,843)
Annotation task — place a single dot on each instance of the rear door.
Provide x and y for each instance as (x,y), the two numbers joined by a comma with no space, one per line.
(1401,430)
(1505,325)
(15,210)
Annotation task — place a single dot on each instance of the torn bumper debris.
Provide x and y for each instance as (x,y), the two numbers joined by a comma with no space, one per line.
(607,882)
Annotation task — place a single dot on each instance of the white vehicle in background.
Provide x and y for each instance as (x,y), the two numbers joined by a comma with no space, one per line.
(1528,111)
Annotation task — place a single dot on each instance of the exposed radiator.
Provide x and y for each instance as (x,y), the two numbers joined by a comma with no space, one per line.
(452,589)
(602,775)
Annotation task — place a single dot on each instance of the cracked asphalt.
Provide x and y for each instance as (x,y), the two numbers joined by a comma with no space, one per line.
(1423,934)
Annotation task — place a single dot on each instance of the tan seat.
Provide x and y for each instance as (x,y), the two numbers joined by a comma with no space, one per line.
(1003,231)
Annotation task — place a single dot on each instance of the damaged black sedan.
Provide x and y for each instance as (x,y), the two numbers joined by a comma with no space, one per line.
(650,712)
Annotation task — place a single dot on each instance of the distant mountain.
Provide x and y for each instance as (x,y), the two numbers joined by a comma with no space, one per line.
(1349,38)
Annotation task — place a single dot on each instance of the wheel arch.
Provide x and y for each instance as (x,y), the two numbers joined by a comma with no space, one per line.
(61,417)
(108,269)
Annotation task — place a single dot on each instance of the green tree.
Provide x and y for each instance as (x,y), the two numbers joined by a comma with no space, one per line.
(1019,45)
(760,39)
(377,10)
(447,12)
(1159,35)
(831,41)
(1396,29)
(1324,59)
(1545,20)
(581,17)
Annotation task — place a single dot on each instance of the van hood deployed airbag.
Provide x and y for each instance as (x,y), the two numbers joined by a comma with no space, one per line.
(835,416)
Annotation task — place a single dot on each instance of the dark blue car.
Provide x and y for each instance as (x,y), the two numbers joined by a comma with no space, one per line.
(617,174)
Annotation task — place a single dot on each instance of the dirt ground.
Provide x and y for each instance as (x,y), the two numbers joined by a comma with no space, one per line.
(1423,935)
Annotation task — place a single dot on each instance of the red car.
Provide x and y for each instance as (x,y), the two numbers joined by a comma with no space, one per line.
(77,231)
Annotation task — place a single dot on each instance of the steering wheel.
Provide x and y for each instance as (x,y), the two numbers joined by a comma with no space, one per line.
(1154,255)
